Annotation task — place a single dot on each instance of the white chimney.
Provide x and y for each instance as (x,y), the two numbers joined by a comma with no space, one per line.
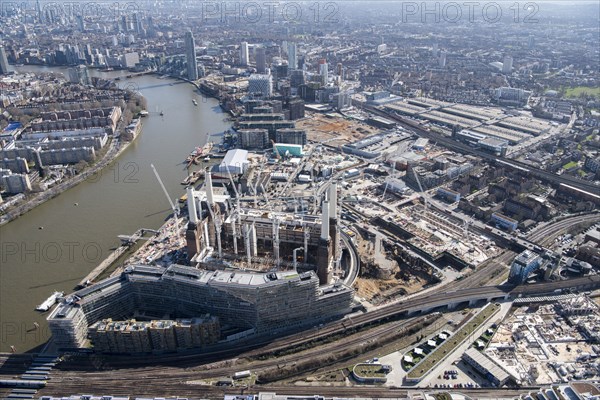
(191,203)
(325,221)
(333,200)
(209,189)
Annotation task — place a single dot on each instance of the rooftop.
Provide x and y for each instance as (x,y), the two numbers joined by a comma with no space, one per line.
(487,363)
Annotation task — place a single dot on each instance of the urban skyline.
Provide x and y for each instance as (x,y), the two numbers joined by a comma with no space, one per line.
(309,185)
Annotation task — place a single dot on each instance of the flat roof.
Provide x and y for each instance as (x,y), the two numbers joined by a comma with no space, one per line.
(235,158)
(492,141)
(488,364)
(243,278)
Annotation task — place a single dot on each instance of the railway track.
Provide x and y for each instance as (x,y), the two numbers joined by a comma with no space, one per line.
(542,236)
(546,234)
(197,392)
(160,376)
(156,377)
(461,147)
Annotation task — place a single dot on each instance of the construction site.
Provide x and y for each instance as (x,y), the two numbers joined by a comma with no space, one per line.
(221,232)
(549,342)
(335,129)
(243,268)
(309,216)
(436,235)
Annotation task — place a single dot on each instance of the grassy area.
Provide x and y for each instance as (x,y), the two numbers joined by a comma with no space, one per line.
(570,165)
(452,342)
(369,370)
(416,358)
(576,91)
(408,365)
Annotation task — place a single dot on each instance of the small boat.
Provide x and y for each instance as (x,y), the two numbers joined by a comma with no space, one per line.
(144,113)
(50,301)
(40,227)
(195,102)
(76,204)
(192,178)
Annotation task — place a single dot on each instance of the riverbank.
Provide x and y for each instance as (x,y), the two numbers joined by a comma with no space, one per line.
(117,147)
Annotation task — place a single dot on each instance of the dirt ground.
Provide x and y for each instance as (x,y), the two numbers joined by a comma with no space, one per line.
(336,130)
(377,290)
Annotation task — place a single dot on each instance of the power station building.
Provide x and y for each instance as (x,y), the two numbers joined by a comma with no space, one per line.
(266,295)
(219,229)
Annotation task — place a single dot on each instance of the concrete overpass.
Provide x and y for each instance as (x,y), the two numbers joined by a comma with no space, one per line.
(471,296)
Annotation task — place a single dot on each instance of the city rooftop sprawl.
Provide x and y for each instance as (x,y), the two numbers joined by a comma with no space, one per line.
(416,185)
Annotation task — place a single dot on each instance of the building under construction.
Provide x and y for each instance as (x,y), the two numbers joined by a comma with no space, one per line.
(248,303)
(220,231)
(241,273)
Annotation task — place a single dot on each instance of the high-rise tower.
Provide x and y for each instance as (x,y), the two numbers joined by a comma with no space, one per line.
(3,61)
(190,52)
(244,54)
(292,56)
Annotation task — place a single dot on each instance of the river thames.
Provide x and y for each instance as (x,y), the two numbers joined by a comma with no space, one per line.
(80,227)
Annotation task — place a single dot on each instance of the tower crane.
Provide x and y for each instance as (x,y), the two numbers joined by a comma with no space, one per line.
(173,206)
(275,150)
(276,240)
(254,189)
(422,191)
(237,195)
(265,195)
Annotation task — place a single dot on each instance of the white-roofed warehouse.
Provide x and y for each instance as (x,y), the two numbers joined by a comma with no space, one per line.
(235,161)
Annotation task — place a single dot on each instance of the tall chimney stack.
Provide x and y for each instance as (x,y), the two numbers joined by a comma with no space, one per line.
(209,189)
(325,221)
(191,203)
(333,200)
